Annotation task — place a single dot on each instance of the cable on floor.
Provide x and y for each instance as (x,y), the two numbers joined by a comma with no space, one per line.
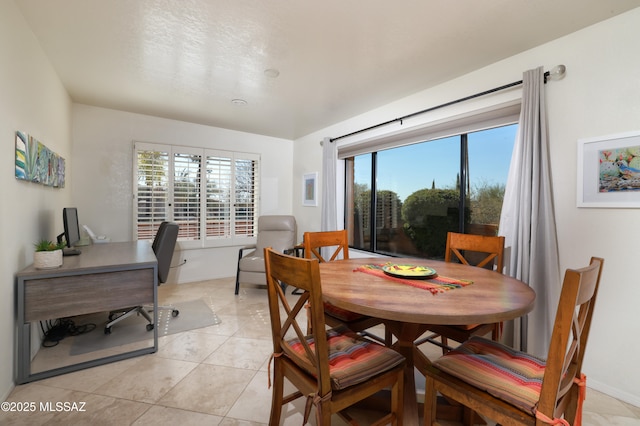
(61,328)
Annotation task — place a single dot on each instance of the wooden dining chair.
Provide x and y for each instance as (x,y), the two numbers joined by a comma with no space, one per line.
(336,246)
(512,387)
(333,369)
(475,250)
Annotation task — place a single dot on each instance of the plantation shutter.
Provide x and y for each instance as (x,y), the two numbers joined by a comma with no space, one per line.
(219,196)
(246,196)
(213,195)
(186,193)
(152,190)
(232,194)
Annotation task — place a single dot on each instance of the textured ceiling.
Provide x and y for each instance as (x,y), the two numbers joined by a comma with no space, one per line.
(188,59)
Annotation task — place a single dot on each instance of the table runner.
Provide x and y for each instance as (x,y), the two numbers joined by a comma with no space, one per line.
(435,284)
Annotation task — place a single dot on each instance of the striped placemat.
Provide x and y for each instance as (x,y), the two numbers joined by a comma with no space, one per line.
(435,284)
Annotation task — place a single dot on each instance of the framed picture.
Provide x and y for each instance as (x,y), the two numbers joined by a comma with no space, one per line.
(310,189)
(609,171)
(37,163)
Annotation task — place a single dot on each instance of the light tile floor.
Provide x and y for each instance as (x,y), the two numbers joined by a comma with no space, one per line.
(215,375)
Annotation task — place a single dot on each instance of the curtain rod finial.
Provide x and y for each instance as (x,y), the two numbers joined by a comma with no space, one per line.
(557,72)
(326,139)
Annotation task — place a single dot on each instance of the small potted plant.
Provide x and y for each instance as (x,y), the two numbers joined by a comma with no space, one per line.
(47,255)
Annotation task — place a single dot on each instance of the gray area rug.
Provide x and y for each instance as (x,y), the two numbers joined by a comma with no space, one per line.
(193,314)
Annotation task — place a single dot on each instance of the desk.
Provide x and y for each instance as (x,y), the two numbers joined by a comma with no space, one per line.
(408,311)
(104,277)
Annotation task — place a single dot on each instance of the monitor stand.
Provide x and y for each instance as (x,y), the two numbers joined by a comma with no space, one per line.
(67,251)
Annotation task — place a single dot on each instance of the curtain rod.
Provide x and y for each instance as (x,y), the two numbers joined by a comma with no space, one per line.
(556,73)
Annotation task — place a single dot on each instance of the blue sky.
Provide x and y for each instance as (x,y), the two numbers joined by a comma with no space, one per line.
(407,169)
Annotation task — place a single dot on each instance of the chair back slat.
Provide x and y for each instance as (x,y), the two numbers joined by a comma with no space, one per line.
(337,243)
(476,250)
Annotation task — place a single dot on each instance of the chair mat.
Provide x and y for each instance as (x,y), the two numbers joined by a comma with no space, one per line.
(193,314)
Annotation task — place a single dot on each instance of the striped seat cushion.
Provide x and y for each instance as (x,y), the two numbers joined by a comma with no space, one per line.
(352,359)
(513,376)
(342,314)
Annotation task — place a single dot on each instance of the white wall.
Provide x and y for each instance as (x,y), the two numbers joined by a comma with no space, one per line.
(600,95)
(103,180)
(32,100)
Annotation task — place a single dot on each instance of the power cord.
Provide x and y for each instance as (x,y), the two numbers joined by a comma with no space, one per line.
(178,265)
(61,328)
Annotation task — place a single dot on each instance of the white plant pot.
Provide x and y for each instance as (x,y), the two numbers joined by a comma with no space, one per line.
(47,259)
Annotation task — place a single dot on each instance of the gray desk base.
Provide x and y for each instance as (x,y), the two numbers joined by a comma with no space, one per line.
(104,277)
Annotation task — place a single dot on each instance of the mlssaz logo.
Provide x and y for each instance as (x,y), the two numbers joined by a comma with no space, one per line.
(62,406)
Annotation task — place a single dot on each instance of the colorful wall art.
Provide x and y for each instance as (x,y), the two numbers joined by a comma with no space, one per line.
(609,171)
(37,163)
(620,169)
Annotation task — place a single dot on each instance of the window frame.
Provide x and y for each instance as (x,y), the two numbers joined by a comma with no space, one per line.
(481,119)
(461,125)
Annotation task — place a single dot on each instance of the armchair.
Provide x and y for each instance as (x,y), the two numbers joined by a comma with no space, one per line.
(278,232)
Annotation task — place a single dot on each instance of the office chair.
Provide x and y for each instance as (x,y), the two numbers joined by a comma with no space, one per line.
(163,245)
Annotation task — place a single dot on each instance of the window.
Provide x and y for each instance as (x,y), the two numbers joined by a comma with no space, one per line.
(213,195)
(421,191)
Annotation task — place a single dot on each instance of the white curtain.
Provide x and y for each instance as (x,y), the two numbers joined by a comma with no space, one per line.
(329,215)
(528,221)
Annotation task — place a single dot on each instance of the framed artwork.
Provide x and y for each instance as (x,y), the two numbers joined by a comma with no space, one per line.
(22,141)
(37,163)
(609,171)
(310,189)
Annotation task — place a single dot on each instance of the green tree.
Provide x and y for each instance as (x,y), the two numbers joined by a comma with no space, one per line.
(428,215)
(152,168)
(486,203)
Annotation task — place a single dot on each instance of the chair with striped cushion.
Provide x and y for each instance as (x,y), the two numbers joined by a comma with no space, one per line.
(478,250)
(512,387)
(333,369)
(336,244)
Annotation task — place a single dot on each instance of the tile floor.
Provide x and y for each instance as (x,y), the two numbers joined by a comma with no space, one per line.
(215,375)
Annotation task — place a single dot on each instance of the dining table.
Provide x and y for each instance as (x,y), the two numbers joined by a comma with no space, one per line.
(447,294)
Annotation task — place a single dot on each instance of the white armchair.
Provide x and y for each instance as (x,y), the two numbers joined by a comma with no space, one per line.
(278,232)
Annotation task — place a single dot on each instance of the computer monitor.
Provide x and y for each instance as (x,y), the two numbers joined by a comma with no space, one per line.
(71,227)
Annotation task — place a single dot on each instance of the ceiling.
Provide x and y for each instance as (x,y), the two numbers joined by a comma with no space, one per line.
(189,59)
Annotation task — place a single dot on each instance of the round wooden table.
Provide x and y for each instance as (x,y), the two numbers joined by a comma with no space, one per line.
(408,311)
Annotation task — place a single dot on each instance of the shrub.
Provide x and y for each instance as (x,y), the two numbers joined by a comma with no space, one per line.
(428,215)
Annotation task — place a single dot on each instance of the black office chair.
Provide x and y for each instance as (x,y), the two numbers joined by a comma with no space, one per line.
(163,246)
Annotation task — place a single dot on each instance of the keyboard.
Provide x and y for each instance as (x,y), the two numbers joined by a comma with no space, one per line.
(70,252)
